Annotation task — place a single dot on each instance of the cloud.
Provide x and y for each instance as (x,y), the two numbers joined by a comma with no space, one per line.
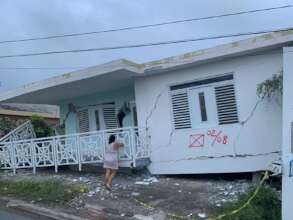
(21,19)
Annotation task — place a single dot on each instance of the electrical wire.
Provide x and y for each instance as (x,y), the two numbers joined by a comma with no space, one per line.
(41,68)
(211,37)
(147,25)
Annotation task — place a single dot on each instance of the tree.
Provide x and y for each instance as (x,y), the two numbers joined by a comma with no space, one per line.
(41,127)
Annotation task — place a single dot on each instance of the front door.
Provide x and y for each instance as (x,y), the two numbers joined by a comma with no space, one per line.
(97,123)
(102,117)
(202,107)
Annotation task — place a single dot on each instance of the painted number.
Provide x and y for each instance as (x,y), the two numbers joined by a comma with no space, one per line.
(217,137)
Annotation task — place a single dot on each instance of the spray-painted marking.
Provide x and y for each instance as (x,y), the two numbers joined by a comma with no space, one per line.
(217,136)
(196,140)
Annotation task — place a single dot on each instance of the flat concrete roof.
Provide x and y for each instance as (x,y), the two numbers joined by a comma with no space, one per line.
(122,72)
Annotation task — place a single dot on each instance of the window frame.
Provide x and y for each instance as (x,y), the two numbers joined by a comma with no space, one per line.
(180,88)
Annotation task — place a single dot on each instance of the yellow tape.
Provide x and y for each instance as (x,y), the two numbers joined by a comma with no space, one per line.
(230,213)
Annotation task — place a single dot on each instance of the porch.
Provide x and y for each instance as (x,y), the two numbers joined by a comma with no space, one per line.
(76,149)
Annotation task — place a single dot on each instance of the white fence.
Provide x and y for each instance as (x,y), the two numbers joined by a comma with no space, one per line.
(22,132)
(75,149)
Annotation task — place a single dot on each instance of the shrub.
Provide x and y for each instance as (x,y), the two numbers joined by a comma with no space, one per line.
(41,127)
(270,86)
(6,125)
(265,206)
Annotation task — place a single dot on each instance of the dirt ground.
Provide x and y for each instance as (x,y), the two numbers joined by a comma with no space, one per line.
(190,196)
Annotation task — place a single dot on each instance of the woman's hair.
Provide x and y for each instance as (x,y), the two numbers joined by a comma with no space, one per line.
(112,139)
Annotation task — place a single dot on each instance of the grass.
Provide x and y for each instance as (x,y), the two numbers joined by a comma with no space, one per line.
(265,206)
(45,191)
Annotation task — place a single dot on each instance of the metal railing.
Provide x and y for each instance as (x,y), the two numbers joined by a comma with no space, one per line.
(73,149)
(22,132)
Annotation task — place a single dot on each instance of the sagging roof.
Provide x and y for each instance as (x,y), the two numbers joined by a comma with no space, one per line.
(122,72)
(27,110)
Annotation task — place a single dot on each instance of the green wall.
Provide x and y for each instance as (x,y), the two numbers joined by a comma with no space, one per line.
(119,96)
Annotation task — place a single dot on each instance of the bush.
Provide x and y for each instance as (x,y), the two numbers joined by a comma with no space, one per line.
(265,206)
(6,125)
(41,127)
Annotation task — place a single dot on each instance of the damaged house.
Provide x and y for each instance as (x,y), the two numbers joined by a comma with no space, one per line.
(188,114)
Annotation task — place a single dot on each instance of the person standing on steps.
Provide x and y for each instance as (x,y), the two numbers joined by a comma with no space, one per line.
(111,160)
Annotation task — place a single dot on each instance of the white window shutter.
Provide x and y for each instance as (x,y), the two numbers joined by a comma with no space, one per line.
(181,113)
(110,119)
(83,120)
(226,104)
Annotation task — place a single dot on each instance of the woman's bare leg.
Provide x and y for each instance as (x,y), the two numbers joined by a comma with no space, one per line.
(107,175)
(112,175)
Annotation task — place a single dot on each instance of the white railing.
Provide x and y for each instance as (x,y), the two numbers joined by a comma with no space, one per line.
(75,149)
(22,132)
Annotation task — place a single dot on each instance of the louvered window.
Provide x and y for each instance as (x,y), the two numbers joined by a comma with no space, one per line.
(204,103)
(181,115)
(110,120)
(226,104)
(83,120)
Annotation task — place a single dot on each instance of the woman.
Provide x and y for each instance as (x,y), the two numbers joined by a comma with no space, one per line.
(111,160)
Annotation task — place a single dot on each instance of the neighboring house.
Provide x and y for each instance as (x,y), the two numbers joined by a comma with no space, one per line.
(17,114)
(200,108)
(24,111)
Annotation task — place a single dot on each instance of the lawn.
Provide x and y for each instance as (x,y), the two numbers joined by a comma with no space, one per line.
(45,191)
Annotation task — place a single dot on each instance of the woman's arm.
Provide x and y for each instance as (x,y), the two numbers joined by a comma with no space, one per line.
(117,145)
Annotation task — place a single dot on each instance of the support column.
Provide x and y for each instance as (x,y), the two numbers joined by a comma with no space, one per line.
(287,145)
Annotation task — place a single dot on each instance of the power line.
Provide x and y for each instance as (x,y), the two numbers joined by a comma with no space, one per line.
(147,25)
(41,68)
(144,44)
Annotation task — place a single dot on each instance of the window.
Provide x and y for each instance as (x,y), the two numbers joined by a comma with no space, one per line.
(134,112)
(97,118)
(206,102)
(110,119)
(202,105)
(98,123)
(83,120)
(226,104)
(181,114)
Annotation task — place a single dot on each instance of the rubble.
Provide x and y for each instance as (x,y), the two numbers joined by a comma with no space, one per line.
(189,197)
(201,215)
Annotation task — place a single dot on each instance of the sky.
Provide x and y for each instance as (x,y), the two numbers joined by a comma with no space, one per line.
(37,18)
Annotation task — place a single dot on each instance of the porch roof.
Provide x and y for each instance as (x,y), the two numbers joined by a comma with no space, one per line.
(104,77)
(122,72)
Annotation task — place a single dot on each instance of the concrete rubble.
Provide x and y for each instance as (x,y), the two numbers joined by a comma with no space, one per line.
(132,195)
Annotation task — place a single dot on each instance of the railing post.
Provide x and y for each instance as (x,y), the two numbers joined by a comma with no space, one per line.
(55,156)
(104,144)
(148,141)
(33,154)
(78,153)
(13,159)
(133,146)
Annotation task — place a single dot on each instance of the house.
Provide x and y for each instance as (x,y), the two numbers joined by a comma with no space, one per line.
(25,111)
(193,113)
(200,109)
(17,114)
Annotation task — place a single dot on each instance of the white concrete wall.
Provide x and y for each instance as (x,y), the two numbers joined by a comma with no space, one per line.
(254,141)
(287,189)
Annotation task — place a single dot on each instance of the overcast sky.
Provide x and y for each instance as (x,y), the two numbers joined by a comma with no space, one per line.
(36,18)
